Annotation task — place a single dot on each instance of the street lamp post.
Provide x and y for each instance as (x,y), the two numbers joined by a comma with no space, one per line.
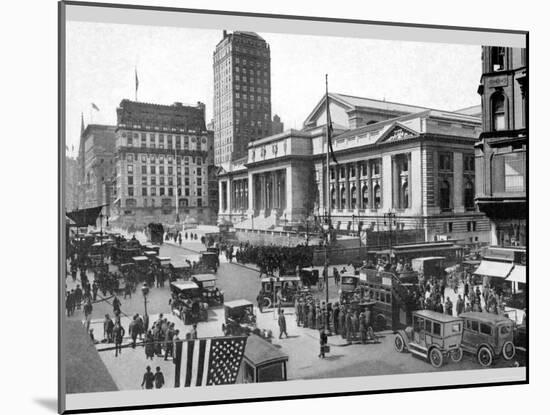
(389,220)
(145,291)
(101,216)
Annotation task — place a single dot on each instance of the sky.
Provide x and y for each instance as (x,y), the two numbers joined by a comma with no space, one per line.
(175,65)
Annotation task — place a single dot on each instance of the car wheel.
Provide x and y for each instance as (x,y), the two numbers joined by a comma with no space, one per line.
(485,356)
(436,357)
(399,343)
(456,355)
(508,350)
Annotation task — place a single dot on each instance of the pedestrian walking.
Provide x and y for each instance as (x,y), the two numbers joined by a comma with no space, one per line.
(116,306)
(133,330)
(108,327)
(159,378)
(448,307)
(118,334)
(149,346)
(459,305)
(87,308)
(323,340)
(148,379)
(95,288)
(282,324)
(194,333)
(169,342)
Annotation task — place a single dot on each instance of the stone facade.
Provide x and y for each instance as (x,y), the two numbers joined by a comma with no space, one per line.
(242,94)
(96,165)
(419,166)
(163,157)
(501,152)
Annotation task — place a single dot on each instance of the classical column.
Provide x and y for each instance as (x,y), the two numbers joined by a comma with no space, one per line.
(347,187)
(458,182)
(358,190)
(395,181)
(409,183)
(370,183)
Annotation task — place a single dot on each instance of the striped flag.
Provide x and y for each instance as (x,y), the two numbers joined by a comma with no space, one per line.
(206,362)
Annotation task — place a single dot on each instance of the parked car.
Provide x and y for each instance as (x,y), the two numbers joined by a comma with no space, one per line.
(239,318)
(433,336)
(488,336)
(186,302)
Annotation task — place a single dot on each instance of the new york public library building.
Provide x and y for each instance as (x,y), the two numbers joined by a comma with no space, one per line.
(415,162)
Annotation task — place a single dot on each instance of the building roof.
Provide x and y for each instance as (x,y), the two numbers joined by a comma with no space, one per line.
(253,34)
(362,102)
(474,110)
(177,115)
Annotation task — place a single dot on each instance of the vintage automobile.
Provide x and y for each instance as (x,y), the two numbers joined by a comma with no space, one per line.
(349,285)
(279,291)
(239,318)
(149,254)
(161,261)
(434,336)
(124,253)
(309,276)
(186,302)
(262,362)
(180,269)
(209,261)
(209,292)
(488,336)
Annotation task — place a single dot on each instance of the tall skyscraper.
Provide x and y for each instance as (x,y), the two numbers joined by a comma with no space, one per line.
(242,94)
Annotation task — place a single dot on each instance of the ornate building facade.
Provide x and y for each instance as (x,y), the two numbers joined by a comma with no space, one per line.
(163,156)
(96,165)
(415,162)
(242,94)
(501,152)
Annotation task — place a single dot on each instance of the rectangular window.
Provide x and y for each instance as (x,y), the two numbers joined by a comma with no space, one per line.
(153,191)
(485,329)
(187,181)
(143,140)
(130,158)
(170,170)
(130,180)
(161,140)
(186,192)
(170,191)
(144,180)
(161,191)
(469,163)
(144,191)
(130,191)
(161,169)
(161,180)
(153,169)
(170,181)
(153,181)
(514,172)
(186,171)
(428,326)
(437,329)
(199,181)
(144,158)
(445,162)
(199,171)
(169,159)
(199,191)
(178,141)
(169,142)
(376,168)
(144,169)
(152,140)
(199,202)
(130,168)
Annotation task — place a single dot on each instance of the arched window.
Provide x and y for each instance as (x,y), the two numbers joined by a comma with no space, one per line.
(343,198)
(377,197)
(469,195)
(498,112)
(404,195)
(333,198)
(353,196)
(365,197)
(444,195)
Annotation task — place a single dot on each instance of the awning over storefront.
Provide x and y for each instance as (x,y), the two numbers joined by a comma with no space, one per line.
(494,269)
(518,274)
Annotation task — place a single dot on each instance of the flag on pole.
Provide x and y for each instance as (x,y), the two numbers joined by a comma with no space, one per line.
(95,107)
(329,130)
(206,362)
(137,82)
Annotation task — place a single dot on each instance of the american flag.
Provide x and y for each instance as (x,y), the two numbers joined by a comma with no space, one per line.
(206,362)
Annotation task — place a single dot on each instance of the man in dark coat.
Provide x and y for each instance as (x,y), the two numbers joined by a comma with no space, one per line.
(118,334)
(282,324)
(323,340)
(148,379)
(159,377)
(133,330)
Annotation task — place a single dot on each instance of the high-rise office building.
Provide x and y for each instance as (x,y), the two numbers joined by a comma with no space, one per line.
(242,94)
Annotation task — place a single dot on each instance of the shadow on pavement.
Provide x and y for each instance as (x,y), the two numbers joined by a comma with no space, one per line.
(48,403)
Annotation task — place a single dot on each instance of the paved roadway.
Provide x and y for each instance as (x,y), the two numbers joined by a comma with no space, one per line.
(239,281)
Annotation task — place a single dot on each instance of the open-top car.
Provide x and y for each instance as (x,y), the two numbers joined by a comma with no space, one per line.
(488,336)
(433,336)
(279,291)
(239,318)
(207,285)
(187,302)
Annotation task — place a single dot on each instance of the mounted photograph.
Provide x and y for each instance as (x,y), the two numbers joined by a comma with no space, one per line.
(276,207)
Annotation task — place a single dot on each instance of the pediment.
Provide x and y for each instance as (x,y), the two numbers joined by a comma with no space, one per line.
(397,132)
